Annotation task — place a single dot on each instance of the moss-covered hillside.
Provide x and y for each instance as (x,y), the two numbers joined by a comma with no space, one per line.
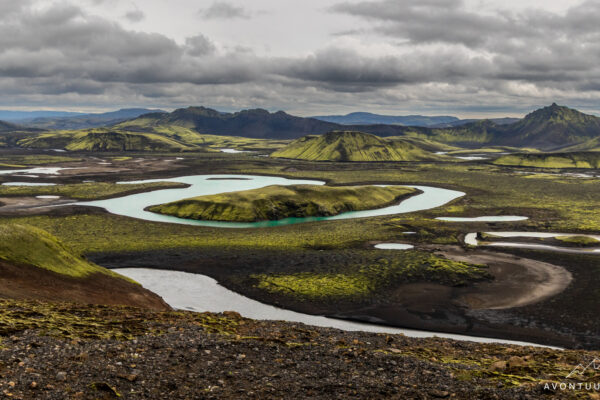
(352,146)
(552,160)
(36,265)
(21,244)
(278,202)
(103,139)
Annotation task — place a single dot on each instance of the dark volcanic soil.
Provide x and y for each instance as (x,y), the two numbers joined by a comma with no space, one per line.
(422,306)
(197,356)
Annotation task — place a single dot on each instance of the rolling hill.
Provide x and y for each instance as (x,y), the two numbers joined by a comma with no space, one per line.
(550,127)
(352,146)
(86,121)
(552,160)
(588,145)
(10,133)
(103,139)
(36,265)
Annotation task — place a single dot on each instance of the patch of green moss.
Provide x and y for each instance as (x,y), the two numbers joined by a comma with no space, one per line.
(579,240)
(38,159)
(86,191)
(315,286)
(563,160)
(360,281)
(75,321)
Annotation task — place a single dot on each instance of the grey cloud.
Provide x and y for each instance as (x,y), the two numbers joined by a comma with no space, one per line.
(135,15)
(64,55)
(224,10)
(67,44)
(346,70)
(534,46)
(199,45)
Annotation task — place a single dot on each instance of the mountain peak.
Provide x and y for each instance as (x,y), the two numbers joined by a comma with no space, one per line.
(553,126)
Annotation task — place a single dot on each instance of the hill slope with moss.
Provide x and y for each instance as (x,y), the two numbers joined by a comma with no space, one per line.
(548,128)
(352,146)
(552,160)
(102,139)
(551,127)
(36,265)
(278,202)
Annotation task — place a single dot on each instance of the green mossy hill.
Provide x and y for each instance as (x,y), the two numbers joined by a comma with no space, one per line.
(206,141)
(103,140)
(554,160)
(588,145)
(551,127)
(278,202)
(352,146)
(21,244)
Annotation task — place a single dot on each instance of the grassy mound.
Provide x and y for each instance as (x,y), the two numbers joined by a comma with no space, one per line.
(278,202)
(103,140)
(352,146)
(554,160)
(20,244)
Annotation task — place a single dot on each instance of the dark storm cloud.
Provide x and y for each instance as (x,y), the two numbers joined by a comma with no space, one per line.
(224,10)
(347,70)
(66,44)
(442,55)
(531,46)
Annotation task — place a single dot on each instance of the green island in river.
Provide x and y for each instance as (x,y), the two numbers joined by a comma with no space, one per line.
(278,202)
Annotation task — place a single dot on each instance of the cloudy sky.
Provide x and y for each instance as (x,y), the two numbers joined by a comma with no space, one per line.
(459,57)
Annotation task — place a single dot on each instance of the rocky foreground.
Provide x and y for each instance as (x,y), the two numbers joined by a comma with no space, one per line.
(58,351)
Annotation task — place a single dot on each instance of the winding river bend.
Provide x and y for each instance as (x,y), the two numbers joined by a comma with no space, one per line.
(200,293)
(134,205)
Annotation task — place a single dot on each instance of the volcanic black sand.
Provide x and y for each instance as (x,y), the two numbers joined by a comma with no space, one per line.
(425,306)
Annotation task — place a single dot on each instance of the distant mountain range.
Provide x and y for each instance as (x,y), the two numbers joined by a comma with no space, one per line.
(17,116)
(85,121)
(551,128)
(441,121)
(365,118)
(497,121)
(257,123)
